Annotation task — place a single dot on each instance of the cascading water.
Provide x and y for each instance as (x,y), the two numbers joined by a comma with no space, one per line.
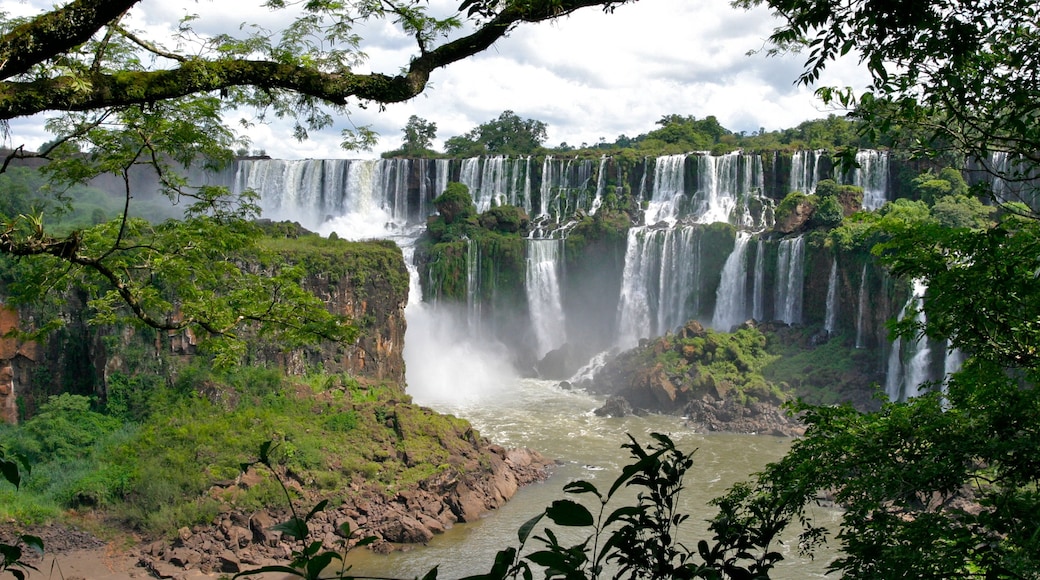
(657,282)
(731,296)
(790,279)
(725,184)
(758,307)
(669,187)
(903,382)
(805,170)
(601,185)
(861,310)
(544,300)
(830,321)
(872,176)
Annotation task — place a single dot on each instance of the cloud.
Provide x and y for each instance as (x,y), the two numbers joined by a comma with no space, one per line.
(590,75)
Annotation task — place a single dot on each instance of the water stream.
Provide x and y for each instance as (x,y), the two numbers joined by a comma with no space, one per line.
(560,423)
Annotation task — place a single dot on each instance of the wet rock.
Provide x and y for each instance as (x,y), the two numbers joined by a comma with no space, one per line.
(615,406)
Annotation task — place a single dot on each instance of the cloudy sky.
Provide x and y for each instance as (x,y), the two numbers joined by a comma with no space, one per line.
(587,76)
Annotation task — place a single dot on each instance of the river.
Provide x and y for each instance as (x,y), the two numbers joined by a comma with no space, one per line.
(464,378)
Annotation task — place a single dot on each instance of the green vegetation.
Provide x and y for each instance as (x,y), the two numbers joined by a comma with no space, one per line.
(506,135)
(171,467)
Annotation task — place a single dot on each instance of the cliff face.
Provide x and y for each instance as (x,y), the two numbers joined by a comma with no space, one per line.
(364,281)
(16,360)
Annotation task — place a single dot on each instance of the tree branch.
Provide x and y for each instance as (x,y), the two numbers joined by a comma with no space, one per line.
(56,32)
(193,76)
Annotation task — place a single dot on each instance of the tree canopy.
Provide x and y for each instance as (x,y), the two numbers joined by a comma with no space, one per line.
(947,75)
(507,135)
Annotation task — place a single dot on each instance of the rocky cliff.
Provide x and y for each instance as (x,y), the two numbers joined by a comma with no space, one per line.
(364,281)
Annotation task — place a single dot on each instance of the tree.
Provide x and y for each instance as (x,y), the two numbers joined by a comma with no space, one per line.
(957,75)
(506,135)
(418,138)
(419,134)
(943,485)
(127,100)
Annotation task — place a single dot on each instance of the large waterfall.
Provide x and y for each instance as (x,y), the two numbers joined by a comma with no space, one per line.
(661,267)
(675,266)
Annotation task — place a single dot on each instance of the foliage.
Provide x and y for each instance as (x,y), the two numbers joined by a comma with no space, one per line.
(418,138)
(506,135)
(639,540)
(953,75)
(929,187)
(11,556)
(455,204)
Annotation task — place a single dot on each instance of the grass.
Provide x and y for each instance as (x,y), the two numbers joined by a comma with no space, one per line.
(171,469)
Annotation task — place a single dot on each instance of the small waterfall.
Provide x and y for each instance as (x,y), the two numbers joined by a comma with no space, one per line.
(545,193)
(731,296)
(601,185)
(543,294)
(725,184)
(669,186)
(790,272)
(758,308)
(861,310)
(805,170)
(872,176)
(831,318)
(920,352)
(902,382)
(473,287)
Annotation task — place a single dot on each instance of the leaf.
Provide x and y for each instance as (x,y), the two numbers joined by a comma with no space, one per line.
(525,530)
(581,486)
(320,562)
(321,506)
(431,575)
(10,472)
(275,569)
(294,528)
(565,512)
(33,542)
(623,512)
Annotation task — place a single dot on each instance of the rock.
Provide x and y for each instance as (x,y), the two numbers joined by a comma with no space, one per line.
(261,524)
(407,530)
(615,406)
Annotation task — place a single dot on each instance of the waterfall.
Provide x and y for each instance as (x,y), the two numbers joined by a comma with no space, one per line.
(657,282)
(920,352)
(679,262)
(805,170)
(731,296)
(758,309)
(473,287)
(601,185)
(831,318)
(543,294)
(872,176)
(861,309)
(790,272)
(669,185)
(633,304)
(725,185)
(358,199)
(902,383)
(545,197)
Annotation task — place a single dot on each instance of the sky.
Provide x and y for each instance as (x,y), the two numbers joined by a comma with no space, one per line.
(588,76)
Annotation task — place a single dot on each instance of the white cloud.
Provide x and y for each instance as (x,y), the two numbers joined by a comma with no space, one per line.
(588,76)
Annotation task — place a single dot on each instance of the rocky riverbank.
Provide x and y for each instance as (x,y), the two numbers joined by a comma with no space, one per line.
(239,540)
